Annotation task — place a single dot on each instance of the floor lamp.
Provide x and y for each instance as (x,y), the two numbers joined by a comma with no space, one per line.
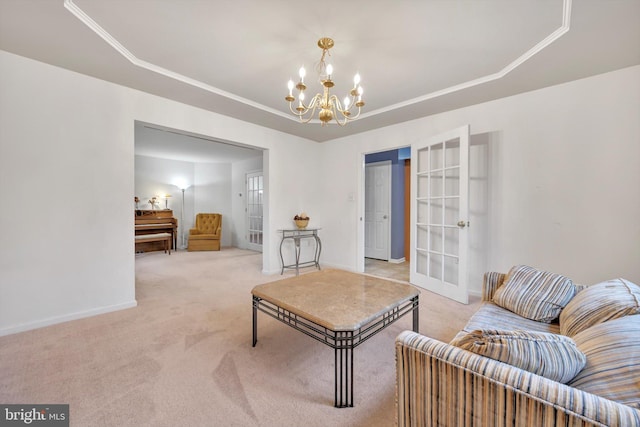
(182,219)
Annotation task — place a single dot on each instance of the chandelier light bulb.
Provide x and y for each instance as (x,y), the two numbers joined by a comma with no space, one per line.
(356,80)
(329,70)
(290,86)
(301,96)
(346,102)
(302,73)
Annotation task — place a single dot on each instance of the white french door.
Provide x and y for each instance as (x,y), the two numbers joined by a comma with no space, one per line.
(439,213)
(254,210)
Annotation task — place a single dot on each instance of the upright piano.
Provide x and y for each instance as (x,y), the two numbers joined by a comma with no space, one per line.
(156,221)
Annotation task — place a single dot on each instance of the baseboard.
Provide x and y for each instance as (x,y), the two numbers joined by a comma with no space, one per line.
(397,261)
(474,292)
(337,267)
(66,318)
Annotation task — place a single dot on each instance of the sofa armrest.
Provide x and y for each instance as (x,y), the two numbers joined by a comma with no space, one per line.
(442,385)
(490,283)
(193,231)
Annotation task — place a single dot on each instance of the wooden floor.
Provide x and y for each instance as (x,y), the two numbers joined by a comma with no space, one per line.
(386,269)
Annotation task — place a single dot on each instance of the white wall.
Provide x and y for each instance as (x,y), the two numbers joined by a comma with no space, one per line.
(212,193)
(66,185)
(561,188)
(67,180)
(563,167)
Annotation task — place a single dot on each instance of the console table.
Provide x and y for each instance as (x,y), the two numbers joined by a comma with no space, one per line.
(297,234)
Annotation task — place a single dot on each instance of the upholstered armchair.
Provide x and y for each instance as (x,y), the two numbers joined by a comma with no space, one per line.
(206,235)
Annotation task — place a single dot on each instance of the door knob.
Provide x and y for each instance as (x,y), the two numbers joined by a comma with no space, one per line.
(384,217)
(461,224)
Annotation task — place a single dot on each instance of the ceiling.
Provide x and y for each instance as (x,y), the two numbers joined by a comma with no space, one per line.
(416,57)
(152,140)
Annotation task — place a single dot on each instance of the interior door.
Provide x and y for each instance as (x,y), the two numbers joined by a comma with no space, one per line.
(377,210)
(254,209)
(439,214)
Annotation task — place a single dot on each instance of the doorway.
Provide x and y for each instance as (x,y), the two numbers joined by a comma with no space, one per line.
(390,262)
(213,171)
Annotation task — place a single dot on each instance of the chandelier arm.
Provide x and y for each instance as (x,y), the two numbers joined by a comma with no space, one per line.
(337,106)
(335,101)
(311,110)
(345,120)
(356,115)
(297,113)
(305,108)
(307,120)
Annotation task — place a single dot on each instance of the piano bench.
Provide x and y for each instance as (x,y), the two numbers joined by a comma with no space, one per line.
(157,237)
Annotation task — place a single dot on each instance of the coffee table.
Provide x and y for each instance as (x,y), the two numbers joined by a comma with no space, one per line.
(338,308)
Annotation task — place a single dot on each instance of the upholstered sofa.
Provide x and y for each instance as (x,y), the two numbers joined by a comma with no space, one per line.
(579,365)
(206,234)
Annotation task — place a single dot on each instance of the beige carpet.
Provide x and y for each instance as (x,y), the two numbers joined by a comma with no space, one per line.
(183,357)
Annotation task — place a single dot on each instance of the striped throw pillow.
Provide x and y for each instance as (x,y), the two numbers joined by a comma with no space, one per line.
(549,355)
(598,303)
(612,371)
(534,294)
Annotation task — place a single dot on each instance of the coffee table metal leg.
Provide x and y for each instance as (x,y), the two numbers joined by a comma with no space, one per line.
(344,370)
(255,320)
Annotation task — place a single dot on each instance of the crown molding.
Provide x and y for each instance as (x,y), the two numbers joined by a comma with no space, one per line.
(102,33)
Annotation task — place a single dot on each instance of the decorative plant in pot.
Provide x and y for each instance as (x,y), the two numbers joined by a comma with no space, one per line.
(301,220)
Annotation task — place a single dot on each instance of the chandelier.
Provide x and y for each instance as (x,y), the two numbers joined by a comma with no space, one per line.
(328,106)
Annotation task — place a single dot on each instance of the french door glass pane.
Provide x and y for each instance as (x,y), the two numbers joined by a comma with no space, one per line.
(422,236)
(422,161)
(451,241)
(452,181)
(436,157)
(436,212)
(435,266)
(436,239)
(452,155)
(452,211)
(436,186)
(451,270)
(423,186)
(421,262)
